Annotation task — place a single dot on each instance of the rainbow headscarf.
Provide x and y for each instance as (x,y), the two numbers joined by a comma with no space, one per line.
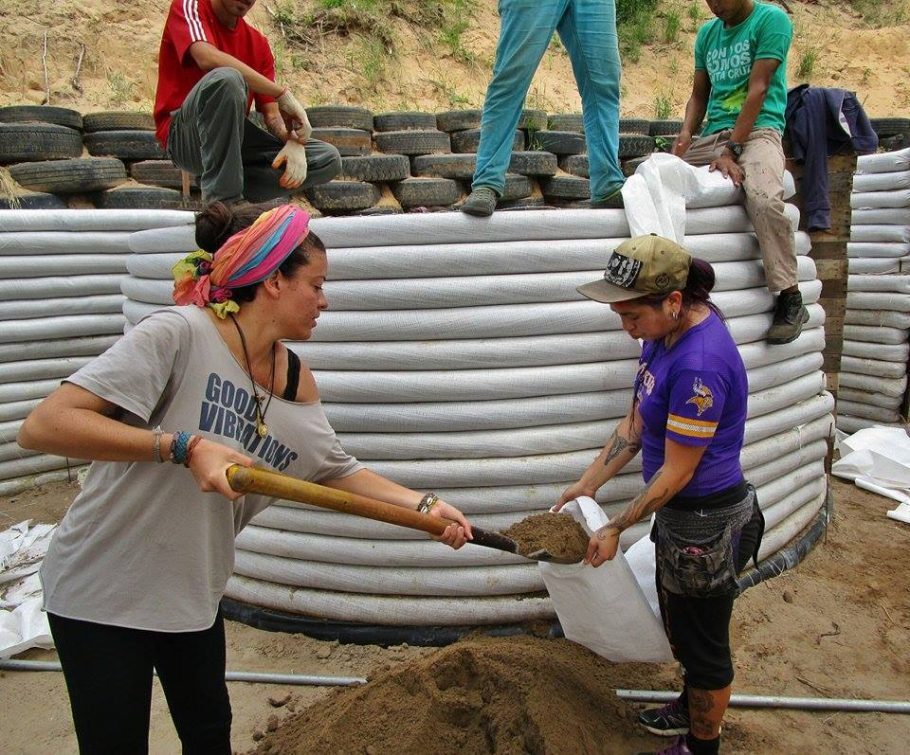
(247,257)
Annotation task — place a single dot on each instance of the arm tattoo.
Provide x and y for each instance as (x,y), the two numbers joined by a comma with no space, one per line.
(617,445)
(655,495)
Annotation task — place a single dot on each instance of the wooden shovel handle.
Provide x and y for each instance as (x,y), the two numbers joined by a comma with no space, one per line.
(264,482)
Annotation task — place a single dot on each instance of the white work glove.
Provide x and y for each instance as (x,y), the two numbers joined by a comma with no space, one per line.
(300,123)
(293,157)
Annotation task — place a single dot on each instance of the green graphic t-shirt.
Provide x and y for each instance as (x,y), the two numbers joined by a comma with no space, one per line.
(727,56)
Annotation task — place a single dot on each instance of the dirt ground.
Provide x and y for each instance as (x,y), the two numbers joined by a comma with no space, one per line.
(836,626)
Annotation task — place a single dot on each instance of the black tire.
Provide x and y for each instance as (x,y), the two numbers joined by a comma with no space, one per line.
(894,143)
(885,127)
(426,192)
(577,165)
(376,168)
(459,167)
(469,140)
(533,163)
(665,127)
(517,187)
(70,176)
(22,142)
(404,121)
(340,116)
(634,126)
(566,187)
(567,122)
(159,173)
(127,144)
(139,198)
(343,196)
(527,203)
(559,142)
(35,201)
(533,120)
(349,142)
(118,121)
(631,165)
(635,145)
(458,120)
(59,116)
(413,142)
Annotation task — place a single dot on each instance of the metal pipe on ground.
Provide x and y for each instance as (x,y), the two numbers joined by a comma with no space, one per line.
(777,701)
(231,676)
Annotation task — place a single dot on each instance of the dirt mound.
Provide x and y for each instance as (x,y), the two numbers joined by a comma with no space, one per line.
(521,695)
(560,535)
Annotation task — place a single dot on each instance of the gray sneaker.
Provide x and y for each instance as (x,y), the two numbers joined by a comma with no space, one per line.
(669,721)
(480,202)
(789,316)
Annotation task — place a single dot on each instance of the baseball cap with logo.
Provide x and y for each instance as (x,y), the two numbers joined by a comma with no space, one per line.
(643,266)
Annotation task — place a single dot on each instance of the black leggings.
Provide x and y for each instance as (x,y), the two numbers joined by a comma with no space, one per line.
(108,672)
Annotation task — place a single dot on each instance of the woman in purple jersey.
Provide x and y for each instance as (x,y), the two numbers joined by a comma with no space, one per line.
(687,417)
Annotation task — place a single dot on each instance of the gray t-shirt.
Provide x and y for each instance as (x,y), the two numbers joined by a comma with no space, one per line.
(141,546)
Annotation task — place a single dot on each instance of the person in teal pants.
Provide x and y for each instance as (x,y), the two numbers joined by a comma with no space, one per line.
(587,28)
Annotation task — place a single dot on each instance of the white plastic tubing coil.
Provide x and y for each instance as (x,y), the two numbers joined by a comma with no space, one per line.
(456,355)
(60,305)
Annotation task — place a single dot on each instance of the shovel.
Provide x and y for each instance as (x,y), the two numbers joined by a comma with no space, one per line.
(276,485)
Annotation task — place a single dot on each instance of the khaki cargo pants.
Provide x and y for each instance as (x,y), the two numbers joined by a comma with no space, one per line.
(762,162)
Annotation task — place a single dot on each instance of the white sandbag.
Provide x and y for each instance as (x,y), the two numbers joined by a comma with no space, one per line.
(776,398)
(48,288)
(800,497)
(800,458)
(91,220)
(895,179)
(11,450)
(154,266)
(24,391)
(881,216)
(60,327)
(8,430)
(813,413)
(478,444)
(64,242)
(867,411)
(875,367)
(888,386)
(70,347)
(181,238)
(40,369)
(780,536)
(42,266)
(877,199)
(586,599)
(14,410)
(34,465)
(390,610)
(785,371)
(880,233)
(878,249)
(882,266)
(877,317)
(868,350)
(410,581)
(16,485)
(869,398)
(888,283)
(771,449)
(75,305)
(761,353)
(875,334)
(878,301)
(849,425)
(807,480)
(884,162)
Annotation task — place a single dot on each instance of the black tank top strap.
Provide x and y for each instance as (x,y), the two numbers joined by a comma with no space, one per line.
(290,390)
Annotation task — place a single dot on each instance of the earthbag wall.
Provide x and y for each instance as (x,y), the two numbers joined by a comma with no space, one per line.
(873,379)
(60,305)
(457,356)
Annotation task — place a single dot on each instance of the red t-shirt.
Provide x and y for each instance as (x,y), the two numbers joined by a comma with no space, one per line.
(190,21)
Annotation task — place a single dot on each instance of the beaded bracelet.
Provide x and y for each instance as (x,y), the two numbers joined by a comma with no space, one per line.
(157,446)
(427,503)
(179,446)
(189,449)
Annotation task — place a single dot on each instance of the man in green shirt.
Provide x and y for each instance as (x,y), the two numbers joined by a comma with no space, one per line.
(740,93)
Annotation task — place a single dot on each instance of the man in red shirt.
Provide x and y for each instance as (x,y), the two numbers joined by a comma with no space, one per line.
(212,66)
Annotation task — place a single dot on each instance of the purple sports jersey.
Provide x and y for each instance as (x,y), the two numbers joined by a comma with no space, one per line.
(695,393)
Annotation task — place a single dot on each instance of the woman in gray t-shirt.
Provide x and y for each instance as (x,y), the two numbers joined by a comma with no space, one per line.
(135,573)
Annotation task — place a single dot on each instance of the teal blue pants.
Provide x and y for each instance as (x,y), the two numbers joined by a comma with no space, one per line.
(587,29)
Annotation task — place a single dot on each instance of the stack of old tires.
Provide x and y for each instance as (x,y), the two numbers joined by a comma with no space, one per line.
(873,380)
(60,305)
(43,148)
(457,356)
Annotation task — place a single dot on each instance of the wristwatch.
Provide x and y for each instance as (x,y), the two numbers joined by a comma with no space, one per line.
(736,148)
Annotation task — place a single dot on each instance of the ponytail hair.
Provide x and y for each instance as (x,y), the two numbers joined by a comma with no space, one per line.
(699,284)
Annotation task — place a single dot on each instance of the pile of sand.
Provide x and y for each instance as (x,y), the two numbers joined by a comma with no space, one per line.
(558,534)
(523,695)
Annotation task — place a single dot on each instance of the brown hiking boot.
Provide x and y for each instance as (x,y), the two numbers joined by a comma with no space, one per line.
(789,316)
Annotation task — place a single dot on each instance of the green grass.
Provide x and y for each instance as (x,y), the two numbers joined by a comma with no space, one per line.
(121,89)
(879,13)
(456,20)
(663,106)
(807,63)
(672,26)
(635,27)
